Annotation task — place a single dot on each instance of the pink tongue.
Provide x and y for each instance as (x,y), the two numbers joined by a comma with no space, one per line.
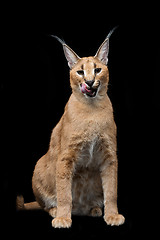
(84,88)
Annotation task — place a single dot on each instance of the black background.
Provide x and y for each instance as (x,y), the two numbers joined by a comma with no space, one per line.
(35,88)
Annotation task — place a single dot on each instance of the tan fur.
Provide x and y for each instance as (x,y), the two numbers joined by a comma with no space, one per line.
(78,174)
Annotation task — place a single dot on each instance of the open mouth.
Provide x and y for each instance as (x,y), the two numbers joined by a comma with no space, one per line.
(89,91)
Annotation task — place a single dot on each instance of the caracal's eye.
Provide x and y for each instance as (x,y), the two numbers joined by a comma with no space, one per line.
(97,70)
(80,72)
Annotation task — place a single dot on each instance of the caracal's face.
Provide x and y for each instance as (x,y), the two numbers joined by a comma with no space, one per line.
(88,75)
(89,78)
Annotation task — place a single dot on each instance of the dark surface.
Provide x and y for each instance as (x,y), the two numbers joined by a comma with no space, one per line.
(35,89)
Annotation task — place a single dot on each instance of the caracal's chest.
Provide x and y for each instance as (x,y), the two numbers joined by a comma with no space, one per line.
(86,129)
(89,156)
(90,139)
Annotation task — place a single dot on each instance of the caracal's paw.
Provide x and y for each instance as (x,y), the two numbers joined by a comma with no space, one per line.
(114,219)
(61,222)
(53,212)
(96,212)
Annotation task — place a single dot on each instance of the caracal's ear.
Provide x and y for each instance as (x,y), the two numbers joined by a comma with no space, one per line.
(102,53)
(70,55)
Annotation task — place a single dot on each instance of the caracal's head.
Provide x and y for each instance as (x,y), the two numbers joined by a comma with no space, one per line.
(88,75)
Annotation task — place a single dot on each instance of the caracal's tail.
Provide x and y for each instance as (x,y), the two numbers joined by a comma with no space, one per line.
(20,205)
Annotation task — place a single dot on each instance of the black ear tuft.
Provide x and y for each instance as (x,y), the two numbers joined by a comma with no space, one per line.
(110,33)
(59,40)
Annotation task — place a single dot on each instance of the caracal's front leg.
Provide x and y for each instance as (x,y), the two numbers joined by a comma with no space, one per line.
(64,170)
(109,184)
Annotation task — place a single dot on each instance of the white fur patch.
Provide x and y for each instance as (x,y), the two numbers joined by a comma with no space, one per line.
(92,148)
(49,202)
